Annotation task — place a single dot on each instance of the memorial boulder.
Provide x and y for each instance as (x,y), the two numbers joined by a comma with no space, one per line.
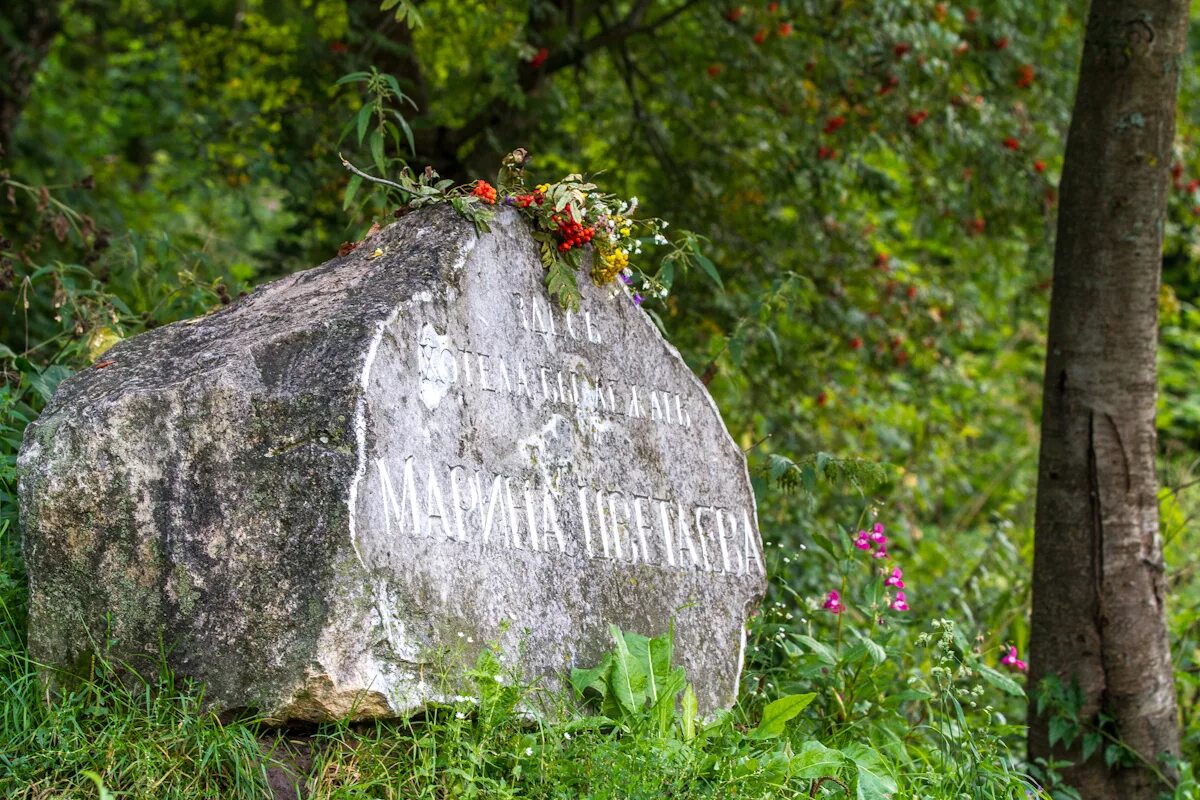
(307,499)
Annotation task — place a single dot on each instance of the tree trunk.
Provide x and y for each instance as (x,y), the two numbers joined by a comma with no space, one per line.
(1098,582)
(27,29)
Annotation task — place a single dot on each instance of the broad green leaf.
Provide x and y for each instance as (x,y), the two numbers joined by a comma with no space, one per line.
(776,714)
(875,650)
(659,652)
(814,760)
(628,679)
(874,779)
(594,678)
(821,651)
(1001,681)
(690,709)
(46,381)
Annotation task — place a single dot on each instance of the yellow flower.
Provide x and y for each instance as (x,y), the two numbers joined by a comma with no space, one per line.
(542,187)
(609,265)
(624,231)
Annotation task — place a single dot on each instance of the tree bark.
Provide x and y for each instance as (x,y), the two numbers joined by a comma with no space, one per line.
(30,28)
(1098,585)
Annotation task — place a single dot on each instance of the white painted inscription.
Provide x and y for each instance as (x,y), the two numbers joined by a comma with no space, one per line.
(442,365)
(487,509)
(495,510)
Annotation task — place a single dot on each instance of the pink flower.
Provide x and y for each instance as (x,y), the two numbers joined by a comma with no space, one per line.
(880,553)
(1011,661)
(834,603)
(896,579)
(877,534)
(862,542)
(899,604)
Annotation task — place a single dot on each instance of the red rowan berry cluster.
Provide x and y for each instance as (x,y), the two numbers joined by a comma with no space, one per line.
(572,233)
(527,200)
(485,192)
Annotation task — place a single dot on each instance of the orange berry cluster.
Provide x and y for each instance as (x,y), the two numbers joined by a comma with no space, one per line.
(572,233)
(485,192)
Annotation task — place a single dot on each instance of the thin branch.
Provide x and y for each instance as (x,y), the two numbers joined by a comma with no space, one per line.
(372,178)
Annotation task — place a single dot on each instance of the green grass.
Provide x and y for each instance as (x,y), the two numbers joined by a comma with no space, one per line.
(909,730)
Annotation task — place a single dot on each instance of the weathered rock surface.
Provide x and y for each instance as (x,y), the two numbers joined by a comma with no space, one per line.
(308,498)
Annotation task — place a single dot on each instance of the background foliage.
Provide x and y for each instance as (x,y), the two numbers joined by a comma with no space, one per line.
(876,184)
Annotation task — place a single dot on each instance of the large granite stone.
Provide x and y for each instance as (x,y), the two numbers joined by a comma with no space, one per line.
(309,498)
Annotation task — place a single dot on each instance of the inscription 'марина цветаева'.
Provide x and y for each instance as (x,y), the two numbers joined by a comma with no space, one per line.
(483,509)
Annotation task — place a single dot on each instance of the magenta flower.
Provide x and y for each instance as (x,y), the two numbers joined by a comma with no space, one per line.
(896,579)
(862,542)
(1012,661)
(877,534)
(899,604)
(834,603)
(880,553)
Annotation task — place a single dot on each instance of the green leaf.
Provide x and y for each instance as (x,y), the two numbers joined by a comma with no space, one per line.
(408,134)
(393,84)
(105,794)
(595,678)
(353,76)
(821,651)
(628,675)
(376,143)
(659,652)
(874,782)
(710,269)
(1062,730)
(877,653)
(360,122)
(690,708)
(815,760)
(351,190)
(776,715)
(46,381)
(1001,681)
(560,279)
(822,541)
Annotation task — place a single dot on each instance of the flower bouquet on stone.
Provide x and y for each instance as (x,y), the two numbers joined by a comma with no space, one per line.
(577,226)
